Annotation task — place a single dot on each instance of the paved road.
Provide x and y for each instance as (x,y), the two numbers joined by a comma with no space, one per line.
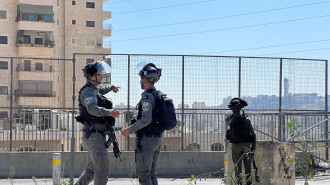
(322,179)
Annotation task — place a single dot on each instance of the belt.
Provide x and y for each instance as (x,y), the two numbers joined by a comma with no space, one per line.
(96,131)
(152,135)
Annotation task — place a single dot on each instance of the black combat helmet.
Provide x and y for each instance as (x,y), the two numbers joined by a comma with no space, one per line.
(237,104)
(99,66)
(151,72)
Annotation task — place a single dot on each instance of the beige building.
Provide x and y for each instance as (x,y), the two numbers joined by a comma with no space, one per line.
(52,29)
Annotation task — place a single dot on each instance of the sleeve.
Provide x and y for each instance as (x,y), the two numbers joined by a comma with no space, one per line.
(105,89)
(254,141)
(89,100)
(148,104)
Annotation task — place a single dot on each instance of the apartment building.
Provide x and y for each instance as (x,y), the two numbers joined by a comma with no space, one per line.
(52,29)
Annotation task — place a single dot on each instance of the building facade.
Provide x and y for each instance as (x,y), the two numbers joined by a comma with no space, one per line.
(47,29)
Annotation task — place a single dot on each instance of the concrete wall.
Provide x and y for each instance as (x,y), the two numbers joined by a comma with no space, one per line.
(273,163)
(171,164)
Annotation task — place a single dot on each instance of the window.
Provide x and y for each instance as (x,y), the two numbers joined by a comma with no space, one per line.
(29,17)
(27,65)
(48,18)
(89,60)
(3,114)
(27,39)
(90,23)
(44,17)
(73,21)
(73,2)
(90,5)
(3,65)
(3,40)
(3,14)
(38,66)
(74,41)
(3,90)
(38,41)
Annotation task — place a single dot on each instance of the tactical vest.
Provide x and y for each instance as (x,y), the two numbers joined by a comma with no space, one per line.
(98,122)
(152,128)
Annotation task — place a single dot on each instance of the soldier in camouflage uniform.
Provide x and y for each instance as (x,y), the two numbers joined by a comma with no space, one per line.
(149,135)
(90,112)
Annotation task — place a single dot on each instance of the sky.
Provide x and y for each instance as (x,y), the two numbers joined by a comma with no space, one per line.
(256,28)
(270,28)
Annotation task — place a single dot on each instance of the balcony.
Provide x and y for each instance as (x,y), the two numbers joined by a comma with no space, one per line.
(36,101)
(50,3)
(106,15)
(106,33)
(33,25)
(107,28)
(34,75)
(36,51)
(105,1)
(34,93)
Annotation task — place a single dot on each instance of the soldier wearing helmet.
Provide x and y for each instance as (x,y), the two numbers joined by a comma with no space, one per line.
(242,138)
(149,135)
(93,127)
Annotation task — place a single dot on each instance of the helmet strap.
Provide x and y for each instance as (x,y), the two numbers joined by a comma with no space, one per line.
(96,81)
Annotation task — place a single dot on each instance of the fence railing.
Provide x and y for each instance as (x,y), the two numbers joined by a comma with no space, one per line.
(50,130)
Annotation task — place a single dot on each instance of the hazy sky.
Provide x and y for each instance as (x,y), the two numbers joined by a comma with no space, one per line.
(272,28)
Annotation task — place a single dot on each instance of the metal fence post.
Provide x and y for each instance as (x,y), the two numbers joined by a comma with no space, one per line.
(56,168)
(326,110)
(73,111)
(182,107)
(280,128)
(239,76)
(128,96)
(11,105)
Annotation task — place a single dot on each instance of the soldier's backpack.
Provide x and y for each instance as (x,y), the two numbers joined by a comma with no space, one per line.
(165,112)
(238,131)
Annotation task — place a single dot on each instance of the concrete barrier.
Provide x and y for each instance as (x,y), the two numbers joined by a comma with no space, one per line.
(273,163)
(171,164)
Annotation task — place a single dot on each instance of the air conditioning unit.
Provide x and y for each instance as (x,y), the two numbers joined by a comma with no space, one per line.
(99,44)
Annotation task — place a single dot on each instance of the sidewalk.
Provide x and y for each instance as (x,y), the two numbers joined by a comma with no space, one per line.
(114,181)
(321,179)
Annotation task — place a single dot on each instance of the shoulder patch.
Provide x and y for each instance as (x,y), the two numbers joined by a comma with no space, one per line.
(145,97)
(145,106)
(88,100)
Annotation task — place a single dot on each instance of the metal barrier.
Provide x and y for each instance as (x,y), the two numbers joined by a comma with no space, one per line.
(38,98)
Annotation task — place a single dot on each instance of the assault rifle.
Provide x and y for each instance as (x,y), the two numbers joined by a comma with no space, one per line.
(112,139)
(110,122)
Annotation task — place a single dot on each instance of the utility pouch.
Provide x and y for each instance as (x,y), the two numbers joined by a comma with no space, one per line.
(88,129)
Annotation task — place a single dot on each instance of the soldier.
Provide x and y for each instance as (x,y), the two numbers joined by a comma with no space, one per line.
(148,133)
(243,139)
(93,138)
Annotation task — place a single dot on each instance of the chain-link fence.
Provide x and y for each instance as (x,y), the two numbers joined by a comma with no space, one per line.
(39,98)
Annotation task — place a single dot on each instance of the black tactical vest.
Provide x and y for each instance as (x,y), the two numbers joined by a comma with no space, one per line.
(89,117)
(152,128)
